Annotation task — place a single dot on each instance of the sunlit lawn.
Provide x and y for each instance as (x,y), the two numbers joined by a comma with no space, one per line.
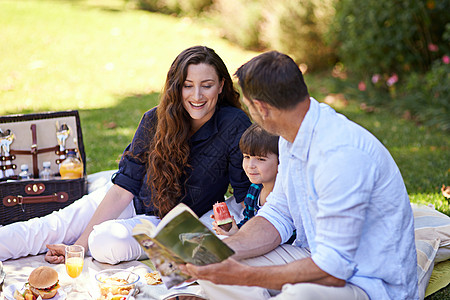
(106,62)
(110,63)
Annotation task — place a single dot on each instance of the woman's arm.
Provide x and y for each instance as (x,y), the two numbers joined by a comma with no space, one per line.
(238,179)
(112,205)
(115,201)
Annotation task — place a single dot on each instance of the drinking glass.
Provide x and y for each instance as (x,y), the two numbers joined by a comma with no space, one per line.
(74,263)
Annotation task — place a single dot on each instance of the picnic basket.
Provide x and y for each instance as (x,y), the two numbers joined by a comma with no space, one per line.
(33,139)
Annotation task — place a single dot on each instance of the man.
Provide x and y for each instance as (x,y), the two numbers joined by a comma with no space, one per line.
(337,186)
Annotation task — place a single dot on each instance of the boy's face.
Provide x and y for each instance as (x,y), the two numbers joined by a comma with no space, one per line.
(261,169)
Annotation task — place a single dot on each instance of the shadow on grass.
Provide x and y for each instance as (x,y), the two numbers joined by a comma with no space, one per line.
(443,294)
(107,131)
(112,6)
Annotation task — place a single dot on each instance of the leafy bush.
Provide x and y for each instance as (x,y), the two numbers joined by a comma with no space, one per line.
(298,27)
(399,50)
(387,37)
(240,21)
(426,96)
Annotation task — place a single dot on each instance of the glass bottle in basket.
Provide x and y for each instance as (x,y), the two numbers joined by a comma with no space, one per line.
(46,173)
(71,167)
(24,173)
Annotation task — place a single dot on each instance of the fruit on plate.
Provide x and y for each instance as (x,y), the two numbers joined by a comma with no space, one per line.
(118,298)
(26,295)
(222,216)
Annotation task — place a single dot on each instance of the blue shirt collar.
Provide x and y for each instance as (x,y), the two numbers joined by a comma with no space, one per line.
(300,147)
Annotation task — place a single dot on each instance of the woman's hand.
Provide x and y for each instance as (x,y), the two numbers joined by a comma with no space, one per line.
(220,231)
(56,253)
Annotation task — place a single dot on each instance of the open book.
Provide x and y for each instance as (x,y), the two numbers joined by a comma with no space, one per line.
(179,238)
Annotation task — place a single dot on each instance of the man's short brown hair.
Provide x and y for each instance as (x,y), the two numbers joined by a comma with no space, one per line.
(274,78)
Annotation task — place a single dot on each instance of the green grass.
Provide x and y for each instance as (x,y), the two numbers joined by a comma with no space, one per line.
(110,63)
(71,54)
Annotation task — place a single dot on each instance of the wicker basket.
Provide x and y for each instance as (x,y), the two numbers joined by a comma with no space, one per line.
(24,199)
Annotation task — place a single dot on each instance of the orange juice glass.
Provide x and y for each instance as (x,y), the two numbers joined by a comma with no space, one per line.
(74,266)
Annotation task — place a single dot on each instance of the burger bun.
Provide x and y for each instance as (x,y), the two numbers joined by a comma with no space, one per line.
(41,279)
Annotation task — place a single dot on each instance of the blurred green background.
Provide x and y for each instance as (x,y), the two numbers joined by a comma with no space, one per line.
(384,64)
(109,58)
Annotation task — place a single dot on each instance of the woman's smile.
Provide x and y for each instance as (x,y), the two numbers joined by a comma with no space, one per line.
(197,105)
(200,92)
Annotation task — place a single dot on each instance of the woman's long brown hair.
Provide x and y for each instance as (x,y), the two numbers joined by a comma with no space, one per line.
(169,151)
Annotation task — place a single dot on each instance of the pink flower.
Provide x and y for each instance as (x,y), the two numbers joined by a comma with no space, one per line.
(433,47)
(392,80)
(361,86)
(375,78)
(446,59)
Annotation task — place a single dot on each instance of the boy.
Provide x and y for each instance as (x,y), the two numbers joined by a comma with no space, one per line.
(260,163)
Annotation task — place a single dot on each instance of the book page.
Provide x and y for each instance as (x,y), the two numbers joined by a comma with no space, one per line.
(151,230)
(164,260)
(172,214)
(145,227)
(192,241)
(178,239)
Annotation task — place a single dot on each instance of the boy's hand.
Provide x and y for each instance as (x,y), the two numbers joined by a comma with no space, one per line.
(220,231)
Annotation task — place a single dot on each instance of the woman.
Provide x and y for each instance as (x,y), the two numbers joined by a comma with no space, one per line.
(185,150)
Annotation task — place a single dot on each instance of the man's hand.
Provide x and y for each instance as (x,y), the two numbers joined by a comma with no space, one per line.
(56,253)
(228,271)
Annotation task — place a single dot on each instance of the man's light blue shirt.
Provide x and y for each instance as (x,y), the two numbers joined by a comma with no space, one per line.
(339,187)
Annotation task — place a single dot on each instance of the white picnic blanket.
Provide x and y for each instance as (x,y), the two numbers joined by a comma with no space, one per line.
(18,270)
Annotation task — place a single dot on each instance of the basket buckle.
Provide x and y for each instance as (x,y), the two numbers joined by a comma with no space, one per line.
(20,202)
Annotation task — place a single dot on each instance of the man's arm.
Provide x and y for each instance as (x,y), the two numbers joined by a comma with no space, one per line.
(232,272)
(257,237)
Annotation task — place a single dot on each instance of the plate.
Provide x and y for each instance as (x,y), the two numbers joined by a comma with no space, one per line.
(2,274)
(8,292)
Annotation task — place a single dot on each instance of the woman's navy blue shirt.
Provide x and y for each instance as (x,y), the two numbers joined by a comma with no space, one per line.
(215,159)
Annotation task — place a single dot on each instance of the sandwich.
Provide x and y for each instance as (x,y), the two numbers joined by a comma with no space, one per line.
(43,281)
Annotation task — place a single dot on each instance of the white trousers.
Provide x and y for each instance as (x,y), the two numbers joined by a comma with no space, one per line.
(304,291)
(109,242)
